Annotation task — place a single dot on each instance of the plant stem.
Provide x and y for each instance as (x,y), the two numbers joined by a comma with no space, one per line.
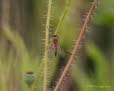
(83,30)
(63,16)
(46,45)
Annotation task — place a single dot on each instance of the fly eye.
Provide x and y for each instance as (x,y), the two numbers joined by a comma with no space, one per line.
(54,35)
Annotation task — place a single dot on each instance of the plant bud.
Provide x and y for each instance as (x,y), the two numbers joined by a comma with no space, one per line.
(29,78)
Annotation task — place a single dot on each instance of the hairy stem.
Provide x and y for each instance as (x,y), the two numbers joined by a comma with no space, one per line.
(63,16)
(46,45)
(83,30)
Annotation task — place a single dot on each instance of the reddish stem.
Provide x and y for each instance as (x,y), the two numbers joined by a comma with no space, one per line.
(83,30)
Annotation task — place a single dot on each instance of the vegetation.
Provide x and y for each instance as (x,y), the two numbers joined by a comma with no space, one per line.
(29,30)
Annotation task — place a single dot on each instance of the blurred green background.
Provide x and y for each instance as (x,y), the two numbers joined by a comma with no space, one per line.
(22,30)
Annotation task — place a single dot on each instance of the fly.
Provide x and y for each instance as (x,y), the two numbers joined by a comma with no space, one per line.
(55,47)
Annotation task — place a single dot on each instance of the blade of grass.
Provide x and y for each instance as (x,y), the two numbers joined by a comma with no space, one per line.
(76,46)
(63,16)
(100,60)
(16,41)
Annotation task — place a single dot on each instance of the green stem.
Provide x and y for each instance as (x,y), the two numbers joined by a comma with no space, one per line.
(63,16)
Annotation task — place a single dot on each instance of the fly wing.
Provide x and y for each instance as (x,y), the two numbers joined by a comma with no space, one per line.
(61,52)
(51,51)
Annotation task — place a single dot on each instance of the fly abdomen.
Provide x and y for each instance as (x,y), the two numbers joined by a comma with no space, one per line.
(56,50)
(55,53)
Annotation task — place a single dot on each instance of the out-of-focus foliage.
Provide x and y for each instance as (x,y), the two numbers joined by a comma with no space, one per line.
(21,41)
